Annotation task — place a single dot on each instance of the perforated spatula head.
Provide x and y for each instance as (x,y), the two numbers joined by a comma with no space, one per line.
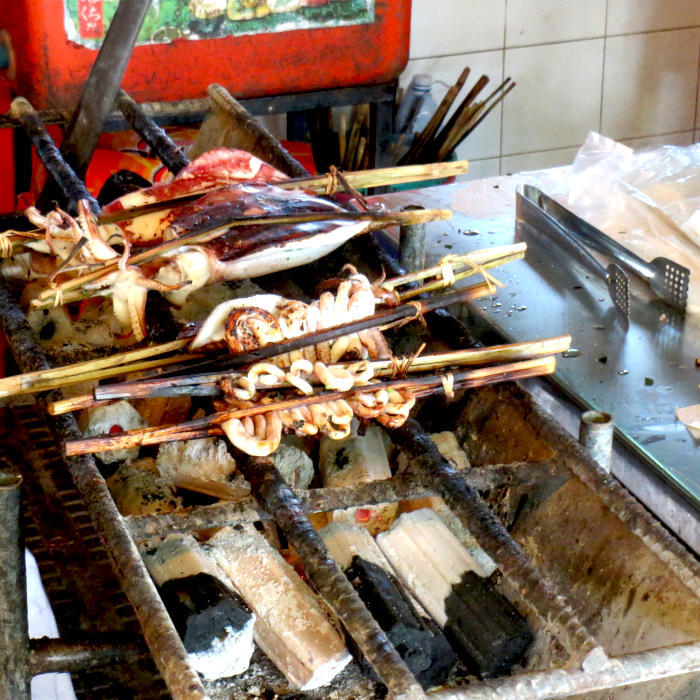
(670,282)
(619,290)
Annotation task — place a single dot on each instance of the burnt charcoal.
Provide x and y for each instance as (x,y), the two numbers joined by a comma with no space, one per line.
(121,183)
(422,646)
(159,319)
(201,608)
(488,632)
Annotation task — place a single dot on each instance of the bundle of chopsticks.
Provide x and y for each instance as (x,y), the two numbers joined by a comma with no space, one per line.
(439,140)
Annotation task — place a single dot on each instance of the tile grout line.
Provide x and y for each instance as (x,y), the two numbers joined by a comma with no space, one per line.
(604,35)
(503,74)
(578,145)
(602,72)
(697,98)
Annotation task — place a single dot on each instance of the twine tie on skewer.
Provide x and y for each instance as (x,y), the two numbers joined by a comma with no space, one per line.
(448,381)
(409,319)
(5,245)
(448,262)
(331,181)
(401,365)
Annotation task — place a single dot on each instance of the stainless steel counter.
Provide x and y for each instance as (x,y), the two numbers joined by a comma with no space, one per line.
(639,375)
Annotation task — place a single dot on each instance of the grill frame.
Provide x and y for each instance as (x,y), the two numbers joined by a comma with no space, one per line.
(527,588)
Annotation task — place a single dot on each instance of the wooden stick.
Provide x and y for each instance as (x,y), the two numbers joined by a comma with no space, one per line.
(420,140)
(209,425)
(439,139)
(477,257)
(208,384)
(399,314)
(470,127)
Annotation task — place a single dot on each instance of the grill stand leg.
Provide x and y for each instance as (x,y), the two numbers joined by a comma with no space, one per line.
(14,635)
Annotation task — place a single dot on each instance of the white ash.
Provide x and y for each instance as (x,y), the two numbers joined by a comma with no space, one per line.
(203,460)
(103,419)
(137,490)
(294,464)
(226,657)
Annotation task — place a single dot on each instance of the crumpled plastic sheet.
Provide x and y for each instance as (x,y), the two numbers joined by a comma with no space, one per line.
(648,200)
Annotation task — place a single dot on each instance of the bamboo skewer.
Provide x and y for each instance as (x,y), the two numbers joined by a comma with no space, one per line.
(434,146)
(361,179)
(207,384)
(471,126)
(476,115)
(127,362)
(50,378)
(210,425)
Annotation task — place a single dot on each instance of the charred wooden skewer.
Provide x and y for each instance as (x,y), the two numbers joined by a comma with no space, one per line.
(479,116)
(436,143)
(210,425)
(253,136)
(322,184)
(425,650)
(206,384)
(439,571)
(420,140)
(116,365)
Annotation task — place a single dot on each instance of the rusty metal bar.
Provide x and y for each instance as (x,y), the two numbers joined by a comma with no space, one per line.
(321,500)
(258,140)
(272,490)
(534,592)
(14,636)
(103,83)
(412,244)
(168,652)
(72,187)
(56,656)
(619,500)
(171,155)
(640,667)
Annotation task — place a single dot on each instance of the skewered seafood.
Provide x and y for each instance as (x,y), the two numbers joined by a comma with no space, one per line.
(216,168)
(246,324)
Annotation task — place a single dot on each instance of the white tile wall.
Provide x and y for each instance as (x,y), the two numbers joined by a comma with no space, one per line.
(545,22)
(557,98)
(650,84)
(632,16)
(626,68)
(446,27)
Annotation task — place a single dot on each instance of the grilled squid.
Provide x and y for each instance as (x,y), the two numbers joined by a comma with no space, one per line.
(246,324)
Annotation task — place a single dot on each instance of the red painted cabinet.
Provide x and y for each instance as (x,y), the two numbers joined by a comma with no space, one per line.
(253,47)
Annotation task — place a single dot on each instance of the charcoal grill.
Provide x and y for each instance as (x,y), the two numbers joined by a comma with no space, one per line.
(117,638)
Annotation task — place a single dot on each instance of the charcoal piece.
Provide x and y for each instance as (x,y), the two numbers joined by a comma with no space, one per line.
(423,647)
(484,627)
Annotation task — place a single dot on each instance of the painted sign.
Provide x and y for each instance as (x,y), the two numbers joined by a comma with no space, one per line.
(87,21)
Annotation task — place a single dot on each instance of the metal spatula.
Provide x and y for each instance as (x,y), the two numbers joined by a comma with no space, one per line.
(667,279)
(615,278)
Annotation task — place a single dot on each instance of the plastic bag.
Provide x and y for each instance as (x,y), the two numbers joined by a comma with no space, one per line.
(648,200)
